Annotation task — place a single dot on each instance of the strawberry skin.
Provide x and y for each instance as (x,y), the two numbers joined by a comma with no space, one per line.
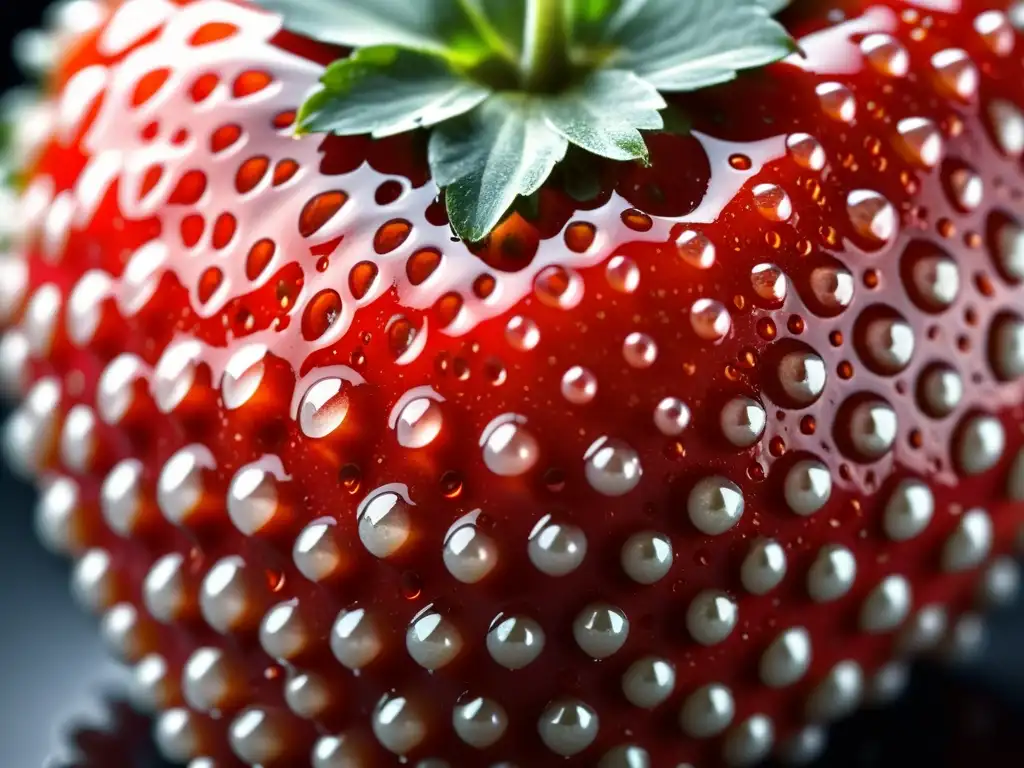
(673,476)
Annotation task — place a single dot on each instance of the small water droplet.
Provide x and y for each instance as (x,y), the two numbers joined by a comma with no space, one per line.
(740,162)
(323,408)
(579,236)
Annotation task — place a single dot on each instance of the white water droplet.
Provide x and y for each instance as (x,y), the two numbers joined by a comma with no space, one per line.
(509,449)
(384,520)
(323,408)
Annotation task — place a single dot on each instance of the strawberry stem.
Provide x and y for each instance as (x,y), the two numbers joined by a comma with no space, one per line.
(545,59)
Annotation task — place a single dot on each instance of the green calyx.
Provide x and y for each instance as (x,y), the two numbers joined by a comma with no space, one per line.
(505,86)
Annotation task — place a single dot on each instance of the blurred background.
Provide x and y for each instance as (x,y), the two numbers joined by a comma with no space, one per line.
(63,702)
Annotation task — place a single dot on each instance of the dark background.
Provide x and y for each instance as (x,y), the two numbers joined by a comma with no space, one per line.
(62,700)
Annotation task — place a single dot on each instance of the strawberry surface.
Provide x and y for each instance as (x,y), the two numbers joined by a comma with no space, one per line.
(675,475)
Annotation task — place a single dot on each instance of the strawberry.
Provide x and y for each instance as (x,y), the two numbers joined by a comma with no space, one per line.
(664,449)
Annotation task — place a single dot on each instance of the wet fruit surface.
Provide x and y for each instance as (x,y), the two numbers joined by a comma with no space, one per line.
(681,468)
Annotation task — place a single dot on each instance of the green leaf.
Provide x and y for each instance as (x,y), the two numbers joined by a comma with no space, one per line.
(592,11)
(579,175)
(488,157)
(500,24)
(683,46)
(773,6)
(589,19)
(383,91)
(441,27)
(604,113)
(677,121)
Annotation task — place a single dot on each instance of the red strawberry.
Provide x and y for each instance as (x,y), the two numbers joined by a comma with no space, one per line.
(670,476)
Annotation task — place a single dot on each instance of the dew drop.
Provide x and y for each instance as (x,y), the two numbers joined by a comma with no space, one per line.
(323,408)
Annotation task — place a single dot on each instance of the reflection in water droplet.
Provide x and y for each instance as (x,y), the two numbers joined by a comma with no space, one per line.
(509,449)
(405,341)
(966,189)
(873,217)
(522,333)
(710,319)
(769,283)
(243,375)
(384,520)
(558,287)
(772,202)
(623,274)
(957,74)
(417,418)
(695,249)
(886,55)
(806,151)
(639,350)
(921,141)
(579,385)
(323,408)
(837,101)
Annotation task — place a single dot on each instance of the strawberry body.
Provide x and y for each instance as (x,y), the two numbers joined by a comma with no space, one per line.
(674,474)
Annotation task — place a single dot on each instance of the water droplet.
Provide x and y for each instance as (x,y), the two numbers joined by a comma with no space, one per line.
(957,74)
(806,151)
(243,376)
(622,274)
(802,375)
(966,189)
(872,215)
(885,54)
(556,549)
(419,422)
(579,236)
(323,408)
(940,390)
(639,350)
(579,385)
(888,344)
(871,427)
(1007,347)
(695,249)
(384,520)
(405,341)
(769,283)
(559,288)
(772,202)
(710,319)
(933,281)
(672,417)
(740,162)
(522,333)
(432,640)
(1007,123)
(253,498)
(995,31)
(509,449)
(832,288)
(612,467)
(470,554)
(837,101)
(920,141)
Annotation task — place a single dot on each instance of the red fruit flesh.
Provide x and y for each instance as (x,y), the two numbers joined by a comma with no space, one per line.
(378,296)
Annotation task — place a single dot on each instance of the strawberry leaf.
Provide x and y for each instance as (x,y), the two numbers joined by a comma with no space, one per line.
(384,91)
(441,27)
(773,6)
(506,86)
(499,23)
(684,46)
(603,114)
(485,159)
